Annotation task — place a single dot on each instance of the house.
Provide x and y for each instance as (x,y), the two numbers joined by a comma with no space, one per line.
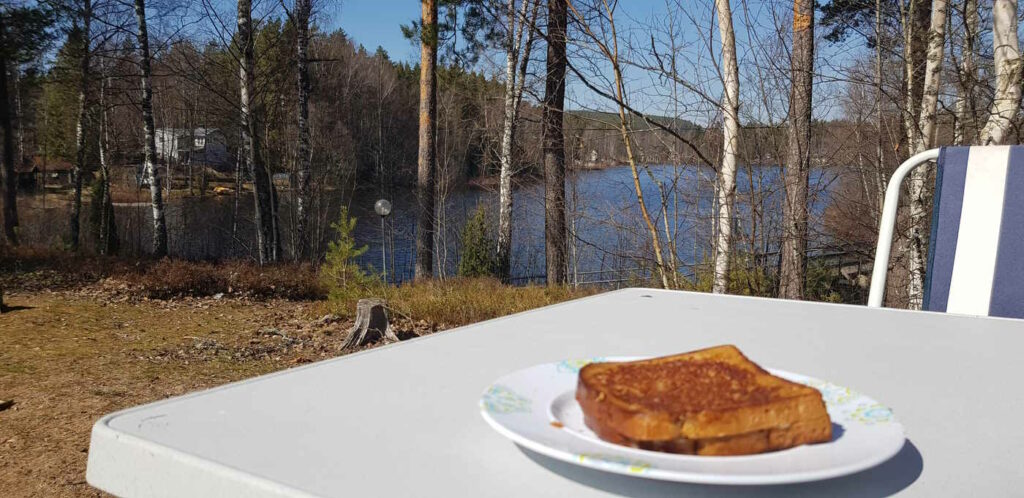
(199,147)
(42,172)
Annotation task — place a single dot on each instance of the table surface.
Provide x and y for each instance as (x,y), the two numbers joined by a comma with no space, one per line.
(403,420)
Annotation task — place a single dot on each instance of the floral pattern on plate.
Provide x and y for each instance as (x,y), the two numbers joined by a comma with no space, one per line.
(844,404)
(500,399)
(574,366)
(627,464)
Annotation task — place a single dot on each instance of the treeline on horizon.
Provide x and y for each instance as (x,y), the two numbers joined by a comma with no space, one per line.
(363,105)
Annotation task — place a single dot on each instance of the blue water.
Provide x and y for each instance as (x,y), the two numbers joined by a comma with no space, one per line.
(607,237)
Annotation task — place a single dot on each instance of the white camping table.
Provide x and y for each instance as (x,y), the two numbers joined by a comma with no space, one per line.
(403,420)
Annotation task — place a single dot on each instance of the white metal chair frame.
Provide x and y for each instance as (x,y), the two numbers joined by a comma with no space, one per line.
(888,224)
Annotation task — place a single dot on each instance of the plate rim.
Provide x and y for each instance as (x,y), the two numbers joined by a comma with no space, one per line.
(690,476)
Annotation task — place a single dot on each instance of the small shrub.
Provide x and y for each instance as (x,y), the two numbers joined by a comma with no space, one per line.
(825,283)
(340,274)
(745,278)
(478,249)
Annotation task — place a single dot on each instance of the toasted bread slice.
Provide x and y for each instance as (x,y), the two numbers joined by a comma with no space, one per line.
(713,401)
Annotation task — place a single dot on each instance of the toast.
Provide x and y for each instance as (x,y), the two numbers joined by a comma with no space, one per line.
(709,402)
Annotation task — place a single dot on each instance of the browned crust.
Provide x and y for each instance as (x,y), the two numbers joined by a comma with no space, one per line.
(794,415)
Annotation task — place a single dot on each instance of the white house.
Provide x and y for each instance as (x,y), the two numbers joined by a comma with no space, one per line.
(198,147)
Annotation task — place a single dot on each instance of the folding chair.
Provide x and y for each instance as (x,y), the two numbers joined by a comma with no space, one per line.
(976,248)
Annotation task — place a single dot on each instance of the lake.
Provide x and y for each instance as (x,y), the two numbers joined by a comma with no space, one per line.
(608,239)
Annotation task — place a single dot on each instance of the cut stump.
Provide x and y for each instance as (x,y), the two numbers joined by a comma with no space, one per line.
(371,324)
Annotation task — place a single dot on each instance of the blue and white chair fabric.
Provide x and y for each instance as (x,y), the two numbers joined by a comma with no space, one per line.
(976,247)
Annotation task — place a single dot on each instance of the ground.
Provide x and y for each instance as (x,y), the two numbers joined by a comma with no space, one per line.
(82,336)
(67,357)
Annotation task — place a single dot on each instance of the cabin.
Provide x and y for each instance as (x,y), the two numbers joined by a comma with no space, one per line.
(41,172)
(198,147)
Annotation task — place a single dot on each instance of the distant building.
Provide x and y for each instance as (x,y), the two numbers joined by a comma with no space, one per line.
(42,171)
(196,147)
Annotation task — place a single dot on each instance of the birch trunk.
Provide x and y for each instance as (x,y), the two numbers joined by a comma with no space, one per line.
(108,228)
(83,116)
(554,144)
(966,127)
(726,185)
(922,140)
(798,156)
(302,204)
(9,175)
(516,53)
(507,134)
(155,193)
(879,117)
(427,160)
(266,236)
(1008,69)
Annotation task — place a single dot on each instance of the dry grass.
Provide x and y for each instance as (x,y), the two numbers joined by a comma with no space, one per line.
(78,341)
(174,278)
(68,358)
(462,301)
(38,269)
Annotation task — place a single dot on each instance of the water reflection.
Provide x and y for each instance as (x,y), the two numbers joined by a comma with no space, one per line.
(607,238)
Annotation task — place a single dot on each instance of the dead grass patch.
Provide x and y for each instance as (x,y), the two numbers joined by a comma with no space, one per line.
(36,269)
(462,301)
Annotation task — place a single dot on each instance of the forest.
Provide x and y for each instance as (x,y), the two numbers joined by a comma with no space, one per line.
(756,136)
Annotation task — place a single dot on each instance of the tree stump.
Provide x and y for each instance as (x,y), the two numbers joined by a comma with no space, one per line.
(371,324)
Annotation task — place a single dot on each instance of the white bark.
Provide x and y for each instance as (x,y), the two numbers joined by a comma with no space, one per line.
(156,196)
(106,228)
(726,185)
(265,213)
(1006,52)
(303,9)
(965,104)
(932,74)
(80,129)
(922,140)
(516,53)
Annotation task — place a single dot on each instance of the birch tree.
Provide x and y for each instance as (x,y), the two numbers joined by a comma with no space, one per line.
(107,229)
(267,239)
(519,41)
(555,242)
(725,190)
(798,155)
(922,136)
(965,125)
(427,156)
(149,152)
(304,153)
(81,127)
(1006,55)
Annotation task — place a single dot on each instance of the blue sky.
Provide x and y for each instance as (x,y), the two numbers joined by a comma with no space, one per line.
(377,22)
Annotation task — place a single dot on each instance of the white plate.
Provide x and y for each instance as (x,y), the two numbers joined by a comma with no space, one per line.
(536,408)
